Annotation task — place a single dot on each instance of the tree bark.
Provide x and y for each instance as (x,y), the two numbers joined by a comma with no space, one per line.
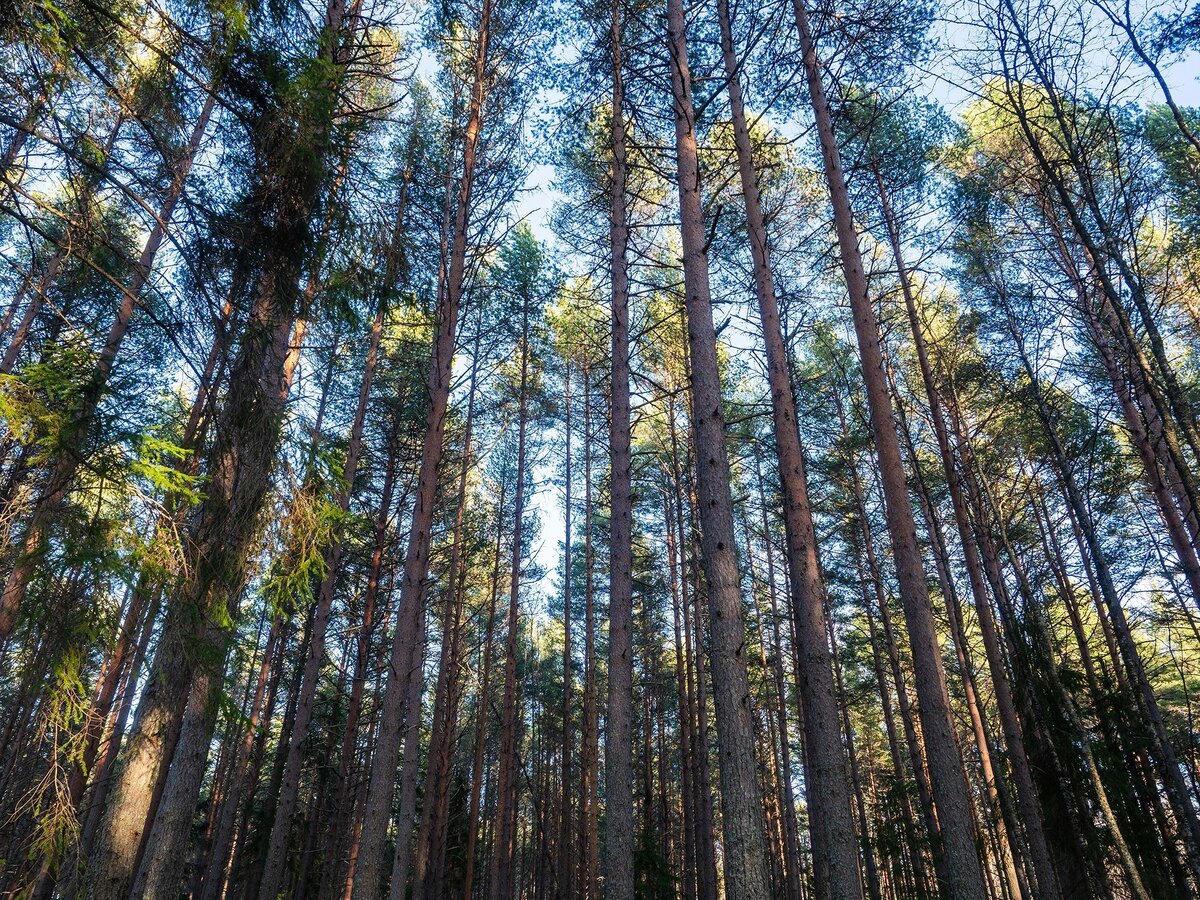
(483,702)
(618,758)
(1046,883)
(747,875)
(416,562)
(272,878)
(965,879)
(564,885)
(248,432)
(826,785)
(507,805)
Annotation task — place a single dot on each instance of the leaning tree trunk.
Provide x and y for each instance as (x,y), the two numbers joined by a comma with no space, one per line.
(1027,798)
(52,494)
(369,874)
(1143,692)
(747,874)
(62,251)
(965,879)
(826,786)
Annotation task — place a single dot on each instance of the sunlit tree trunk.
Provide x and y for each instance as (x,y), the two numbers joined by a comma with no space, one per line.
(828,791)
(1046,884)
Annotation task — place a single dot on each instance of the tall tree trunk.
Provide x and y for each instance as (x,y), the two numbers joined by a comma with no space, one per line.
(298,740)
(999,805)
(618,760)
(401,855)
(565,867)
(826,785)
(430,860)
(105,768)
(507,804)
(870,868)
(686,719)
(913,842)
(416,562)
(53,492)
(964,874)
(590,751)
(747,876)
(343,803)
(272,878)
(792,870)
(478,775)
(1046,883)
(933,826)
(690,594)
(221,847)
(224,526)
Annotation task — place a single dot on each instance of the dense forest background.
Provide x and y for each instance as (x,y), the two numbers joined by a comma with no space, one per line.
(588,448)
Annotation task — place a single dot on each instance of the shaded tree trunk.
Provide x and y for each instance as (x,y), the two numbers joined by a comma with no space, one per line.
(618,753)
(416,562)
(747,875)
(964,875)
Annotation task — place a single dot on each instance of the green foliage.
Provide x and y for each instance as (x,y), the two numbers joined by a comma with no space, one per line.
(653,879)
(1180,162)
(314,519)
(156,461)
(36,405)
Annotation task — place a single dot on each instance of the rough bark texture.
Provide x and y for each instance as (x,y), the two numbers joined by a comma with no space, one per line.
(828,791)
(618,753)
(965,879)
(747,875)
(166,736)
